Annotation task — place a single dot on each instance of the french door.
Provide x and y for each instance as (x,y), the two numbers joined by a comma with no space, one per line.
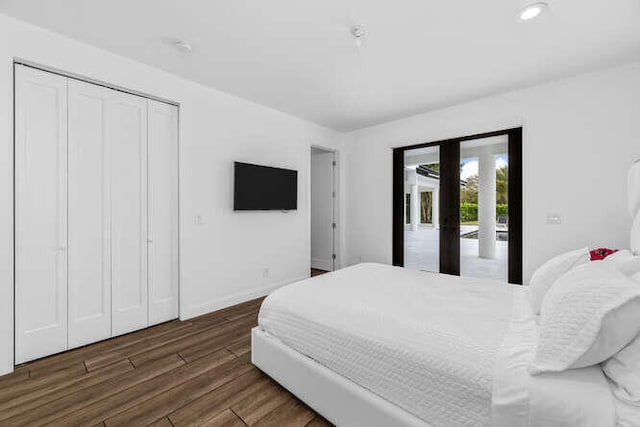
(457,206)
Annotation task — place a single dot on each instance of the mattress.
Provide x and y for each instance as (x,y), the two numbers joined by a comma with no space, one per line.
(449,350)
(424,341)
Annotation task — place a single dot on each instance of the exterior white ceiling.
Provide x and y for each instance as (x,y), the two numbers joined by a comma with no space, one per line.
(299,57)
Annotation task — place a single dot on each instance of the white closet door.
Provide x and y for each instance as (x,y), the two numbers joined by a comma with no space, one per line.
(41,218)
(127,121)
(88,193)
(163,212)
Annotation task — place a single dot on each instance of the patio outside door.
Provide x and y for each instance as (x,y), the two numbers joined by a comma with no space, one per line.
(422,217)
(458,206)
(484,208)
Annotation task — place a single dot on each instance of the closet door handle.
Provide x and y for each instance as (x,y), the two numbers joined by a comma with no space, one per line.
(62,248)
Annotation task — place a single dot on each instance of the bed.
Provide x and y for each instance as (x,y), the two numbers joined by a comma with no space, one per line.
(378,345)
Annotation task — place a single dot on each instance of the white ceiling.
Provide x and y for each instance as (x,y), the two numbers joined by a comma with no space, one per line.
(298,56)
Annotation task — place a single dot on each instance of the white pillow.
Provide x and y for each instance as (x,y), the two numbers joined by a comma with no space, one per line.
(631,267)
(635,235)
(636,277)
(624,261)
(624,370)
(545,276)
(616,259)
(590,314)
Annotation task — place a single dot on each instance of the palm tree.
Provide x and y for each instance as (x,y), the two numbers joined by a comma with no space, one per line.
(502,185)
(469,191)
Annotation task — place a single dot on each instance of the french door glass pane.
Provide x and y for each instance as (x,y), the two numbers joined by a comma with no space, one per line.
(421,219)
(484,221)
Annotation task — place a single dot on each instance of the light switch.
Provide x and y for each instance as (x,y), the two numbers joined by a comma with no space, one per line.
(554,219)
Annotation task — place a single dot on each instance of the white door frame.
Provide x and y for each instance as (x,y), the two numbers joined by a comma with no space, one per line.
(337,231)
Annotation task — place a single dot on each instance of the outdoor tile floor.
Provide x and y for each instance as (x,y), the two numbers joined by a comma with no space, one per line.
(422,253)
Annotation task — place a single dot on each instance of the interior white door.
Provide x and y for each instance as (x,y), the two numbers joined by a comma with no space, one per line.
(127,122)
(322,212)
(41,217)
(89,281)
(163,212)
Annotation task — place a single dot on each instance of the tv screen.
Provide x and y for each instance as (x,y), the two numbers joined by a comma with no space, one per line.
(259,188)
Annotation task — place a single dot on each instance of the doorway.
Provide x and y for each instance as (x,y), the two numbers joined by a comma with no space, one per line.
(323,210)
(457,206)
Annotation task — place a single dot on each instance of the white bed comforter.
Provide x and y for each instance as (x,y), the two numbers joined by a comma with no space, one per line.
(449,350)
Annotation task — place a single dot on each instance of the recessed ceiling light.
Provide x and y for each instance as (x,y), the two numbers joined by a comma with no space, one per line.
(532,11)
(183,46)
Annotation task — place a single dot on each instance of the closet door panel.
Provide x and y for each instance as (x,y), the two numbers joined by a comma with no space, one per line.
(89,263)
(127,121)
(163,212)
(41,218)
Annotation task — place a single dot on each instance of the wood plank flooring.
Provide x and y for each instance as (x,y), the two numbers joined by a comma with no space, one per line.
(196,372)
(315,272)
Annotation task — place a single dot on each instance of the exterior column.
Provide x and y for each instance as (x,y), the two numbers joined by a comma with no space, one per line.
(435,214)
(487,203)
(415,207)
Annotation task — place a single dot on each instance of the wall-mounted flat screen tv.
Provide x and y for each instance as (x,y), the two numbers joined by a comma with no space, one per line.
(263,188)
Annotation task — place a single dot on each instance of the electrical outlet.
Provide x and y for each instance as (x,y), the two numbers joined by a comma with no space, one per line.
(198,220)
(265,272)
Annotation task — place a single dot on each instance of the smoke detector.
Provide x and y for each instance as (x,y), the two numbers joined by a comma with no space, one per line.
(183,46)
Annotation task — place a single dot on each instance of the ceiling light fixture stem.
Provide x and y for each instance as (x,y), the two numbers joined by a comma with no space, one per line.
(358,33)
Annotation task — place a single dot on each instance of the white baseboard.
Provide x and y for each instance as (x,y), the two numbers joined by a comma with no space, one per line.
(322,264)
(220,303)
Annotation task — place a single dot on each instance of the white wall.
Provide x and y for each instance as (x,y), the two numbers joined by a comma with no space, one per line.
(222,261)
(581,135)
(321,209)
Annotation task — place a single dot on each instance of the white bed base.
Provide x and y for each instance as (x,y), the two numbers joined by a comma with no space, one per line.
(336,398)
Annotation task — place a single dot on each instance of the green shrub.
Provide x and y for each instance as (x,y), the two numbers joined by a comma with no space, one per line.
(469,211)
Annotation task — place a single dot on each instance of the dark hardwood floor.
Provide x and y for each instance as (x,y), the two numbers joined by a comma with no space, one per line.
(196,372)
(316,272)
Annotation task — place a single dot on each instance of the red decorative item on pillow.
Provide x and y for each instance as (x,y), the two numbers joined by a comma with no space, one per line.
(601,253)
